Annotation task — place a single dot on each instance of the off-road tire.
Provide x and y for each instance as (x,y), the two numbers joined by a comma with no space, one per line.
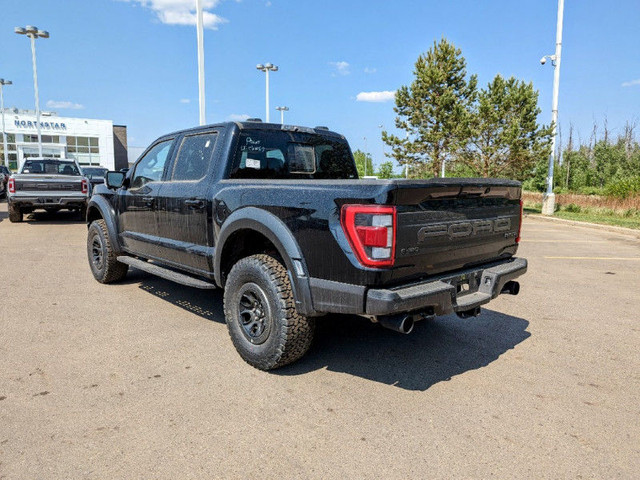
(288,334)
(106,268)
(15,214)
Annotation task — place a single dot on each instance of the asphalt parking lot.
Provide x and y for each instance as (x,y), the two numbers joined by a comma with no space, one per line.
(140,379)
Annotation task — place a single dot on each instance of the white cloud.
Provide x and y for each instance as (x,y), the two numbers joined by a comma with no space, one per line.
(185,100)
(342,68)
(632,83)
(183,12)
(62,104)
(238,117)
(370,70)
(384,96)
(268,4)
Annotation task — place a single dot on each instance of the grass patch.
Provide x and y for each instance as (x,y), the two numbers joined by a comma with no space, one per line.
(629,218)
(616,220)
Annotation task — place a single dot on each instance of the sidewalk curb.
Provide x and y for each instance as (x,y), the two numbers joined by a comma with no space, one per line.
(611,228)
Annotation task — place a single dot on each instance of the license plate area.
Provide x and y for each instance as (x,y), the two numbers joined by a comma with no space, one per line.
(466,283)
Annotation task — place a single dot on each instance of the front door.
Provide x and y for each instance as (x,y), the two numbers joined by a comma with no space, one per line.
(184,205)
(138,203)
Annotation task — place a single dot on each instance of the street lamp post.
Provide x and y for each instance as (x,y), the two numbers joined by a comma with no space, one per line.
(365,156)
(282,110)
(549,199)
(381,127)
(406,166)
(33,33)
(200,39)
(4,82)
(266,68)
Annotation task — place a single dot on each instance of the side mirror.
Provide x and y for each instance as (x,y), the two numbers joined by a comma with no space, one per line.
(114,180)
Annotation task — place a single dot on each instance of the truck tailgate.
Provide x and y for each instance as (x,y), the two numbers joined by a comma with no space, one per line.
(48,183)
(448,224)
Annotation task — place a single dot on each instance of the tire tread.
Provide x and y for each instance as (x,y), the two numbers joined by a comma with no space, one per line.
(114,270)
(296,333)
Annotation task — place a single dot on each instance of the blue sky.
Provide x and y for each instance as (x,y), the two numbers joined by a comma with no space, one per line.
(134,61)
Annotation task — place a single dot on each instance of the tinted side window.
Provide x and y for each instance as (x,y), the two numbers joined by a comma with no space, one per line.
(151,166)
(194,157)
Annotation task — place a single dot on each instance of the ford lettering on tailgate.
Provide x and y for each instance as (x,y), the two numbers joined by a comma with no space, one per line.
(465,229)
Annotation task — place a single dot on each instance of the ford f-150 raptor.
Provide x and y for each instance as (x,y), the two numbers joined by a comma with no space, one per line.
(277,217)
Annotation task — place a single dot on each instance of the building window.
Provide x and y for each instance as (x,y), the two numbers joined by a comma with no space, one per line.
(11,151)
(84,149)
(45,138)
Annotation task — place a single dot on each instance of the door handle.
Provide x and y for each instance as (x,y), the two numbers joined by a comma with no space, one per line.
(148,201)
(194,204)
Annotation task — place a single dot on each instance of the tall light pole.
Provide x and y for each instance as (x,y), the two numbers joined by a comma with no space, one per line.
(33,33)
(381,127)
(200,34)
(549,199)
(282,110)
(365,156)
(406,165)
(266,68)
(4,82)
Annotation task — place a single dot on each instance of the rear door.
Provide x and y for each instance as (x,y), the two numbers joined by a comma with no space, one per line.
(138,203)
(184,206)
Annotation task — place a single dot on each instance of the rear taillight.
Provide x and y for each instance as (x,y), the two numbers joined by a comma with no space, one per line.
(12,185)
(371,231)
(520,224)
(85,185)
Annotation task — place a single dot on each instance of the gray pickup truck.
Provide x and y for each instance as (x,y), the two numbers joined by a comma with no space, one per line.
(49,184)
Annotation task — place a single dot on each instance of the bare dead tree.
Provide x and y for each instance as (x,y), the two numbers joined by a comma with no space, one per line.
(568,158)
(592,141)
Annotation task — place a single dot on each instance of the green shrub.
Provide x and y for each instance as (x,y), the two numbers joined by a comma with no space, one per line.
(573,208)
(623,188)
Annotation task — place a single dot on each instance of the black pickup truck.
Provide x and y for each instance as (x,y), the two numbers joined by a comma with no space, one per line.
(277,217)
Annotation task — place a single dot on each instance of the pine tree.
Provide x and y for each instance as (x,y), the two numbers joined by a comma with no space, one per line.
(505,138)
(433,110)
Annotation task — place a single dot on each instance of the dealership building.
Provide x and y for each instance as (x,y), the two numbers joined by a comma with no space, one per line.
(89,141)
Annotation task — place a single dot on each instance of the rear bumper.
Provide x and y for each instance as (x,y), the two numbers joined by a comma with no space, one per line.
(47,201)
(447,293)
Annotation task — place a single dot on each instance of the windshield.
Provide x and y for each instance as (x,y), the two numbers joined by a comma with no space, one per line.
(282,154)
(50,167)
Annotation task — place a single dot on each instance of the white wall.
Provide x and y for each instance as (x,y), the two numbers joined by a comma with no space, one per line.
(63,126)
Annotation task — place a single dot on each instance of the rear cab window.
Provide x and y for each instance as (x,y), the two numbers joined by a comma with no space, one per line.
(51,167)
(277,154)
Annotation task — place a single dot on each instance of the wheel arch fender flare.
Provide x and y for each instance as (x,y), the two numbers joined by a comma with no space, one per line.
(108,214)
(275,230)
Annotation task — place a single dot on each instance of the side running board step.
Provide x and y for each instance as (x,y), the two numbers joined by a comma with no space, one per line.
(166,273)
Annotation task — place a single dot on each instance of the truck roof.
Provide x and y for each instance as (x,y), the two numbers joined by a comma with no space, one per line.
(258,125)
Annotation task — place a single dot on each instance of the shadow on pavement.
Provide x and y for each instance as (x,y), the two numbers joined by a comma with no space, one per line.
(40,217)
(205,303)
(434,352)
